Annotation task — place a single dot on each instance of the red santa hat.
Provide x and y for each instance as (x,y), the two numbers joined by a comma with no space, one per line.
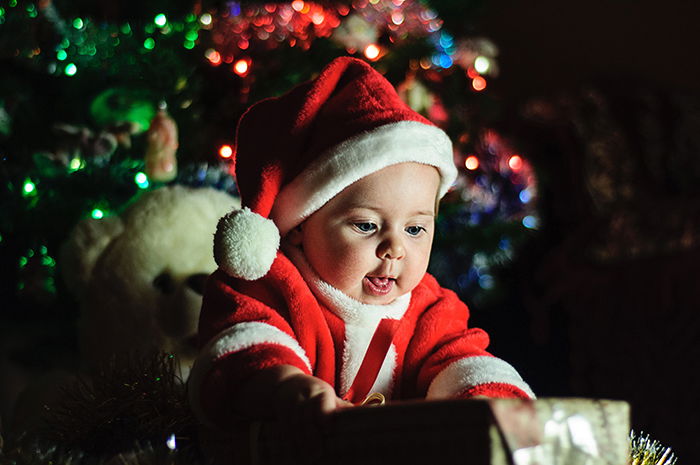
(296,152)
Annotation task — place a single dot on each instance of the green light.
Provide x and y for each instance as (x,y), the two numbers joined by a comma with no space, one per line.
(23,261)
(30,253)
(191,35)
(78,23)
(97,214)
(149,43)
(13,3)
(160,20)
(141,180)
(76,164)
(43,250)
(2,11)
(65,43)
(190,18)
(126,28)
(71,69)
(188,44)
(29,188)
(61,55)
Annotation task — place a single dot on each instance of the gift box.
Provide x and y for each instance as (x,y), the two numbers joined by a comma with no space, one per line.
(551,431)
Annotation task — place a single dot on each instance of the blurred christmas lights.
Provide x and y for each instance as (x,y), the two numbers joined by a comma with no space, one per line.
(479,83)
(372,52)
(226,151)
(241,67)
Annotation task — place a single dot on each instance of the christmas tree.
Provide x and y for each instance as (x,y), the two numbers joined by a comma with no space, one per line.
(99,103)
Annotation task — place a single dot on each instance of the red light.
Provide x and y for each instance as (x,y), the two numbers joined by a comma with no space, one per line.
(471,163)
(241,67)
(226,151)
(214,57)
(515,163)
(479,83)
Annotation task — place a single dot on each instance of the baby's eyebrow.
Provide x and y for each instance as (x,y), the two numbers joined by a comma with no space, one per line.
(358,206)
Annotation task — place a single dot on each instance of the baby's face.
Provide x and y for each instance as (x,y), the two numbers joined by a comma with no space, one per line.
(372,241)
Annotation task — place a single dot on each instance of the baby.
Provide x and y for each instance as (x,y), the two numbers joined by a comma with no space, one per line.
(341,306)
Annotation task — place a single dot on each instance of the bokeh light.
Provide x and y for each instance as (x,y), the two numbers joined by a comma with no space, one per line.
(471,163)
(372,52)
(479,83)
(225,151)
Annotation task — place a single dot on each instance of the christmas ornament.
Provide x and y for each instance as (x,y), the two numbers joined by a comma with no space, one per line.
(161,147)
(117,105)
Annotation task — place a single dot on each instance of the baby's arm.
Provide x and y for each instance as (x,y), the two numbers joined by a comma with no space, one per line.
(285,391)
(300,402)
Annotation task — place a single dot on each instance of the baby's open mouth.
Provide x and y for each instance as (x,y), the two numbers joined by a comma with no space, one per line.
(378,285)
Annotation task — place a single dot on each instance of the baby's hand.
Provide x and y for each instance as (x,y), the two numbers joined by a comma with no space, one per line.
(302,403)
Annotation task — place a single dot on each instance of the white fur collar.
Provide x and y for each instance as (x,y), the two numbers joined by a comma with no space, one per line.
(350,310)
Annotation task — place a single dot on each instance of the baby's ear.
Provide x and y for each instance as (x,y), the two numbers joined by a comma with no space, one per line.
(295,236)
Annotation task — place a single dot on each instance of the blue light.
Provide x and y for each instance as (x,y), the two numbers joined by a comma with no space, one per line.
(486,281)
(445,61)
(446,41)
(525,195)
(234,8)
(530,222)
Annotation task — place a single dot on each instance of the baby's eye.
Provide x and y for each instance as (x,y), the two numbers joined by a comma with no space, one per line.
(415,230)
(365,227)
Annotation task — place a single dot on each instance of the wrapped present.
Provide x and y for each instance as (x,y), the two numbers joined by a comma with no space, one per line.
(553,431)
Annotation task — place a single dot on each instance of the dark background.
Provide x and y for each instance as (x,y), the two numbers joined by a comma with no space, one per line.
(609,295)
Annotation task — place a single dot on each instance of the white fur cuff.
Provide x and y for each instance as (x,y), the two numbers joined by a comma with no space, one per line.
(473,371)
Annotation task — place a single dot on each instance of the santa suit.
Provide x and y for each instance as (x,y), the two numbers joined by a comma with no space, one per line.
(291,317)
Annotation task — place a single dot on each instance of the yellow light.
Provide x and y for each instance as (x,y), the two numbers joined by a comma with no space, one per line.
(482,64)
(205,19)
(515,163)
(241,67)
(471,163)
(226,151)
(372,52)
(479,83)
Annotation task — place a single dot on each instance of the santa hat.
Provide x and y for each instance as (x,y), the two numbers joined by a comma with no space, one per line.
(296,152)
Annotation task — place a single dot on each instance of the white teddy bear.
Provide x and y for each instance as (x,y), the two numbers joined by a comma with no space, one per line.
(139,276)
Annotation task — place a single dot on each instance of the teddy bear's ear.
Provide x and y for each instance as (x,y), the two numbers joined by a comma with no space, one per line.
(85,243)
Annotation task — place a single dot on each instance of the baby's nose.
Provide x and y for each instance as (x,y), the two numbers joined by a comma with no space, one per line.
(391,248)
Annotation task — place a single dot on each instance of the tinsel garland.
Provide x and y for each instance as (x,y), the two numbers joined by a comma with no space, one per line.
(646,451)
(134,410)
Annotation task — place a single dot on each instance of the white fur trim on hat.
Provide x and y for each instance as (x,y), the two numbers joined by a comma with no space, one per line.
(245,244)
(357,157)
(473,371)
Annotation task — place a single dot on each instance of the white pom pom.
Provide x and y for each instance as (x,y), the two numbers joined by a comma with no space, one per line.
(245,244)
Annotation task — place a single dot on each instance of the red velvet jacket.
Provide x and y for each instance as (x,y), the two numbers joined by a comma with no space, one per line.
(250,325)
